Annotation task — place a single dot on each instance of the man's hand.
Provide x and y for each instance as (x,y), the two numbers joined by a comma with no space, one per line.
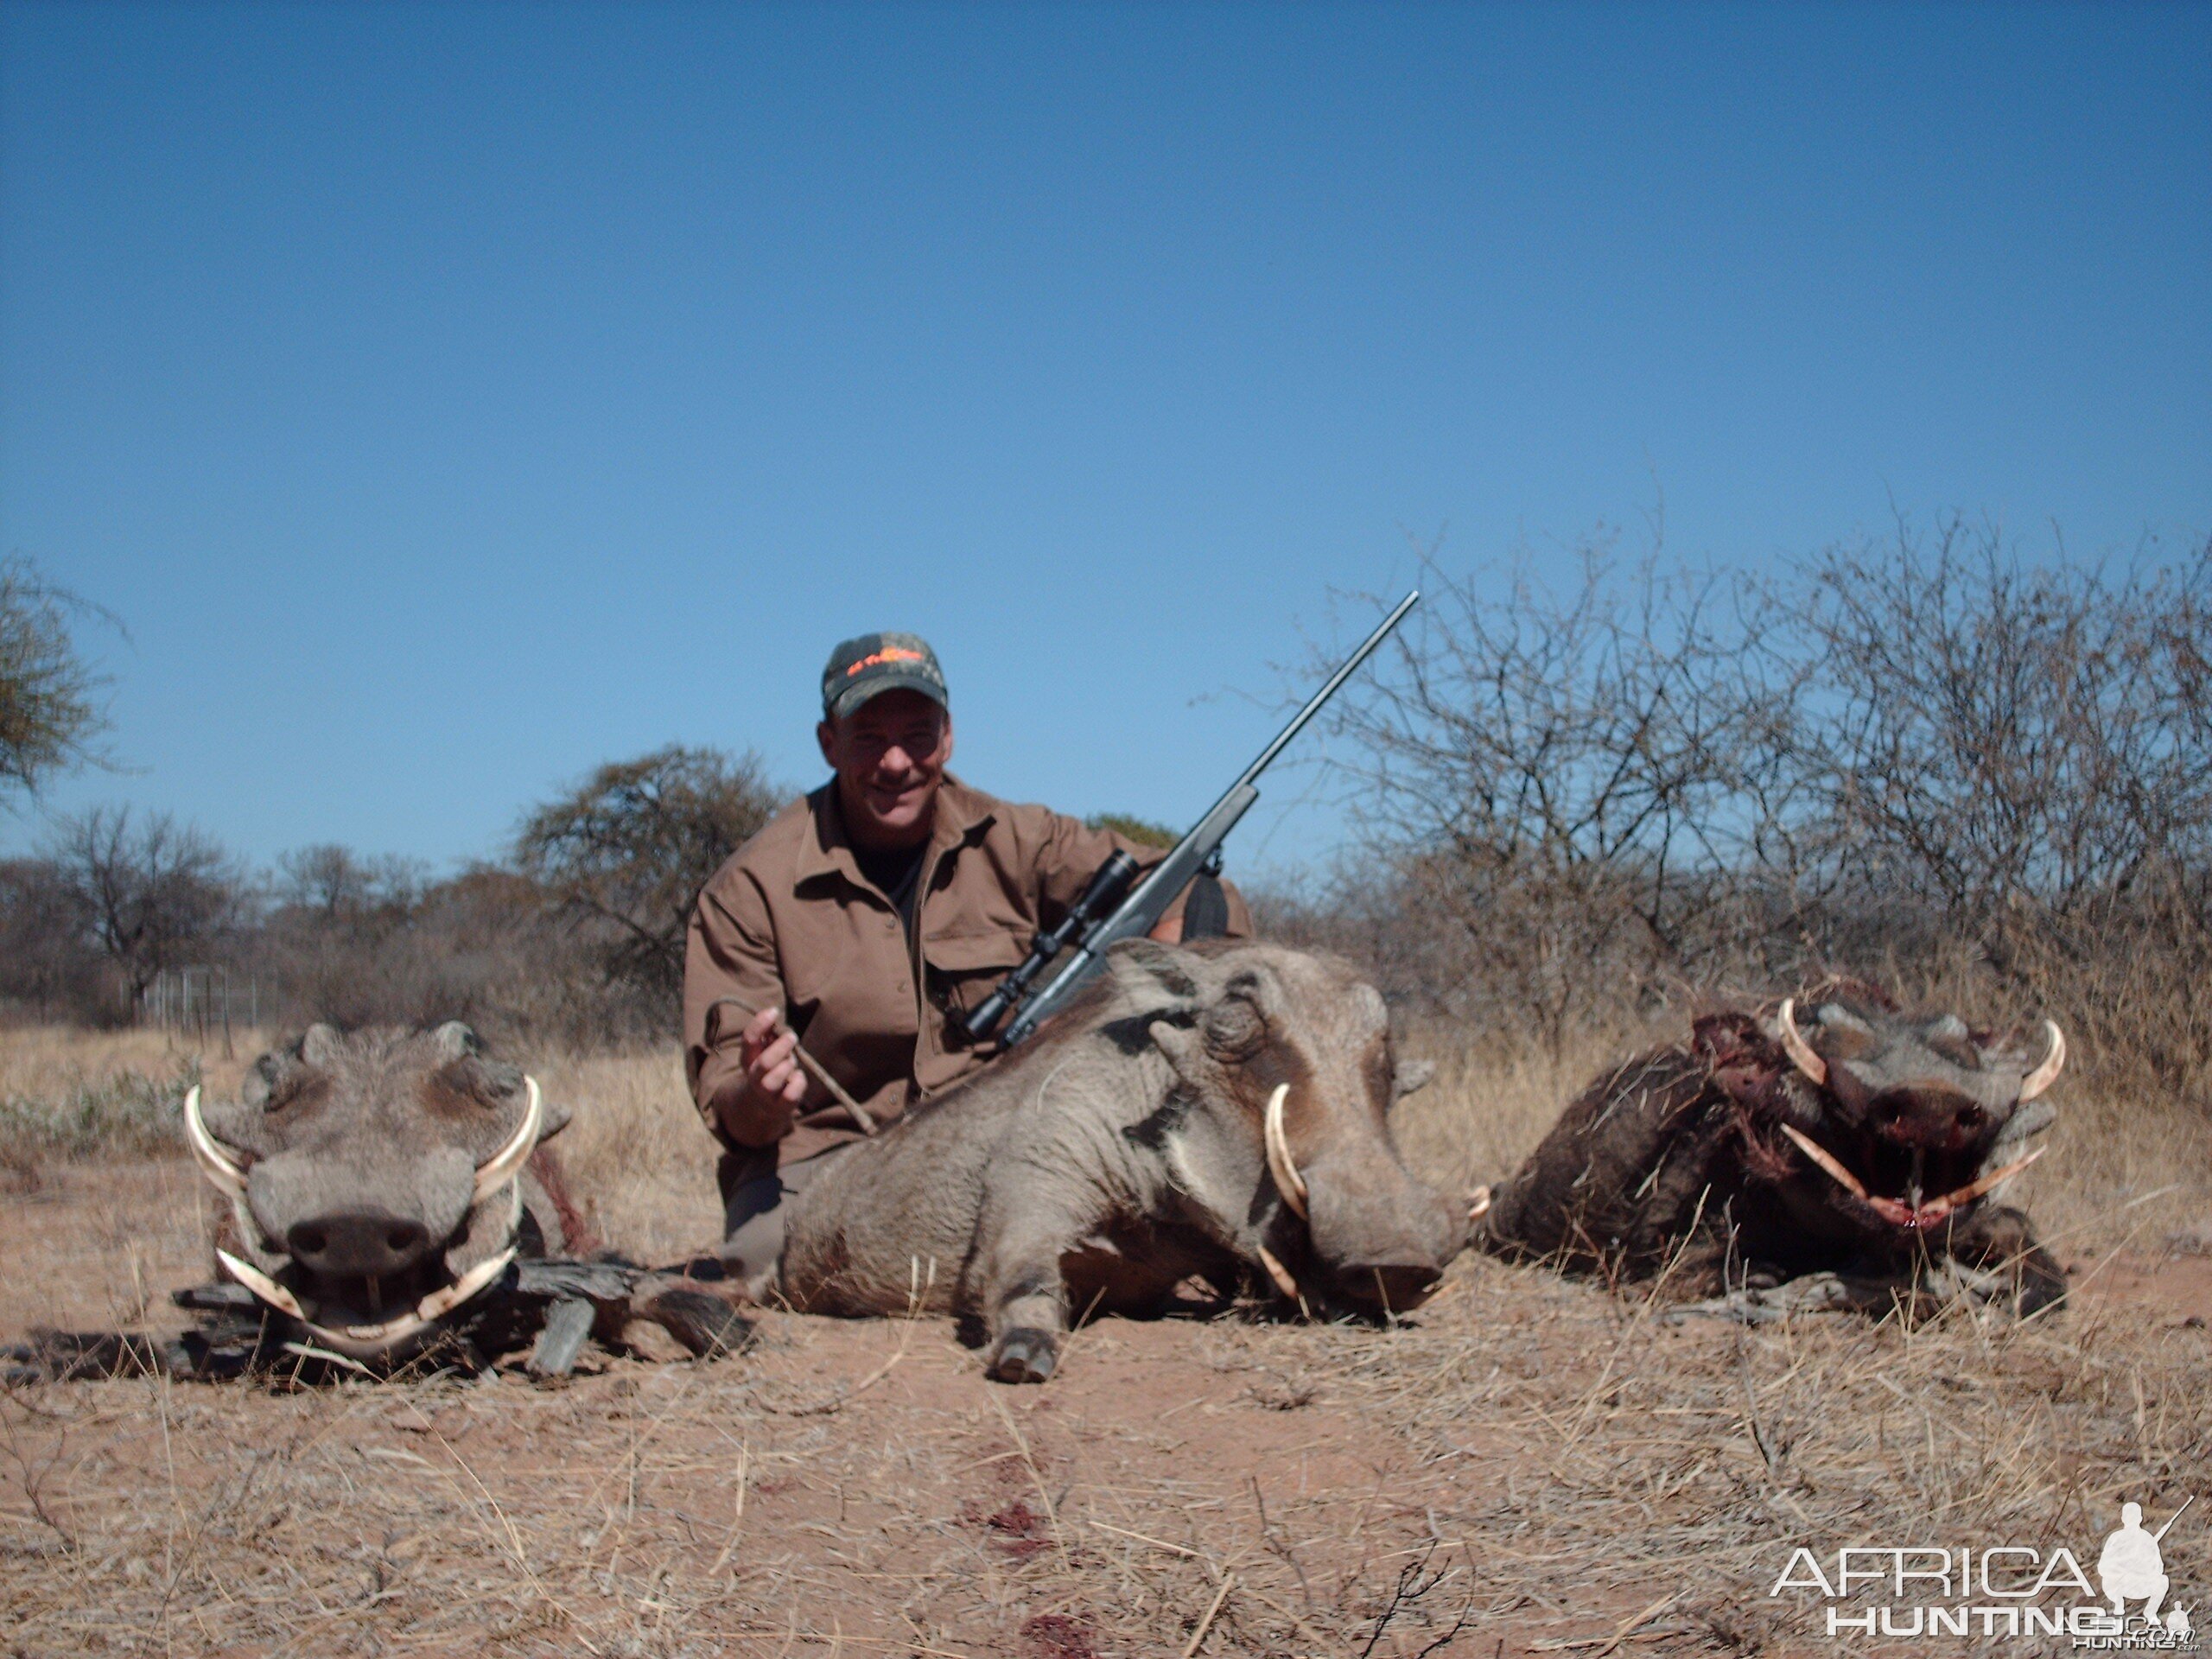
(774,1086)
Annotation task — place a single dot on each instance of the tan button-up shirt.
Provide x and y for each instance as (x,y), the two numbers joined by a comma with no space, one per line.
(791,922)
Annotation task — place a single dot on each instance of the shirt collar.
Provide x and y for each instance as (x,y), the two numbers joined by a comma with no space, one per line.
(963,814)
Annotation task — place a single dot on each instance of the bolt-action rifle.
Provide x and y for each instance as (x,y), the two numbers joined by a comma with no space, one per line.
(1111,909)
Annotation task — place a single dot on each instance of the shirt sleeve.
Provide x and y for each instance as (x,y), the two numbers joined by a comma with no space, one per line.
(728,953)
(1070,853)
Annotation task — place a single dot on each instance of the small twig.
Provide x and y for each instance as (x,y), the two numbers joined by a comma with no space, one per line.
(866,1124)
(33,1481)
(1606,1645)
(917,1287)
(1320,1642)
(737,1521)
(1407,1590)
(827,1408)
(1051,1514)
(1143,1538)
(1206,1624)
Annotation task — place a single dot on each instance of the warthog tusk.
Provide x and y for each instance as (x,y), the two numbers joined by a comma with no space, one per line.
(1819,1154)
(439,1303)
(1799,1051)
(373,1338)
(362,1339)
(1478,1203)
(427,1312)
(1279,1273)
(1974,1189)
(262,1286)
(1288,1182)
(218,1166)
(2054,1062)
(506,1163)
(1905,1214)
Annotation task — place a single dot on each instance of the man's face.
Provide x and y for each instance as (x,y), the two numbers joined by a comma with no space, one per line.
(890,755)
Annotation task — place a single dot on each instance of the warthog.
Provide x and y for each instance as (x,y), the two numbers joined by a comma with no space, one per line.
(1831,1136)
(389,1196)
(1200,1110)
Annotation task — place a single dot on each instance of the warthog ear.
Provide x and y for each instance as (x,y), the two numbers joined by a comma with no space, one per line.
(1234,1028)
(1844,1034)
(1412,1075)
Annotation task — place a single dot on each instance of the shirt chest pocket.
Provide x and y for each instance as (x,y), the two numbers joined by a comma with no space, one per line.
(959,971)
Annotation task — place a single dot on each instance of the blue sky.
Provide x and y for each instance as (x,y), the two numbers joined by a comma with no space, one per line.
(450,399)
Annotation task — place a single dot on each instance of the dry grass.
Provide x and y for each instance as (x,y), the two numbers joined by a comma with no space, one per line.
(71,1096)
(1557,1464)
(50,1060)
(637,1151)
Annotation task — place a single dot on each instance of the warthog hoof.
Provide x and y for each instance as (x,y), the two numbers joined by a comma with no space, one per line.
(1024,1354)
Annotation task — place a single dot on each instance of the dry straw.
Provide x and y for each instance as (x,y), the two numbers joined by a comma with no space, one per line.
(1529,1461)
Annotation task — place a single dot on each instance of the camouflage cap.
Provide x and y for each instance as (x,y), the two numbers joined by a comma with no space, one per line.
(860,668)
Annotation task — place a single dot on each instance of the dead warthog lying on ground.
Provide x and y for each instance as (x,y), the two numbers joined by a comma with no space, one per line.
(1202,1109)
(391,1202)
(1828,1135)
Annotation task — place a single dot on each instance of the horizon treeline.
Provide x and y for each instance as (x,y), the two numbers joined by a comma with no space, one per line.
(1927,761)
(575,935)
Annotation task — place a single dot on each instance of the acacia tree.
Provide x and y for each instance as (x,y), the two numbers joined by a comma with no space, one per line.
(2014,744)
(1558,777)
(2019,755)
(45,962)
(149,893)
(49,717)
(1927,752)
(336,888)
(625,854)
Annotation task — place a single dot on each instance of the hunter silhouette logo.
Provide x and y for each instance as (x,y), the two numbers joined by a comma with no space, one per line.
(2004,1590)
(2132,1567)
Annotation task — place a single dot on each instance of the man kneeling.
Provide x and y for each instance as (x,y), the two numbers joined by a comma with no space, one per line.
(868,919)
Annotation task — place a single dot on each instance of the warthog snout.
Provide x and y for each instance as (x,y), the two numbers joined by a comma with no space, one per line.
(362,1243)
(1935,1119)
(1383,1238)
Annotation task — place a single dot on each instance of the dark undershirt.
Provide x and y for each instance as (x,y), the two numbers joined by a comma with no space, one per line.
(896,873)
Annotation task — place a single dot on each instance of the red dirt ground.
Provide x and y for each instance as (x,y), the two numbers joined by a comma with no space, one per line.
(1554,1468)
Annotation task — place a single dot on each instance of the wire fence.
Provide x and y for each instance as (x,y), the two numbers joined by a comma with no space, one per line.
(204,1001)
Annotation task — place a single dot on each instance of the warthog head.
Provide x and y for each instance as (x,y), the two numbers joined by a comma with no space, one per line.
(375,1177)
(1913,1119)
(1295,1159)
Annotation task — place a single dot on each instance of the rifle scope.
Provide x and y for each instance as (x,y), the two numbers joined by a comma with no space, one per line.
(1105,892)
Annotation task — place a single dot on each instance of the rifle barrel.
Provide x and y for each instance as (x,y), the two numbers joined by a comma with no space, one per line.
(1143,906)
(2159,1537)
(1313,704)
